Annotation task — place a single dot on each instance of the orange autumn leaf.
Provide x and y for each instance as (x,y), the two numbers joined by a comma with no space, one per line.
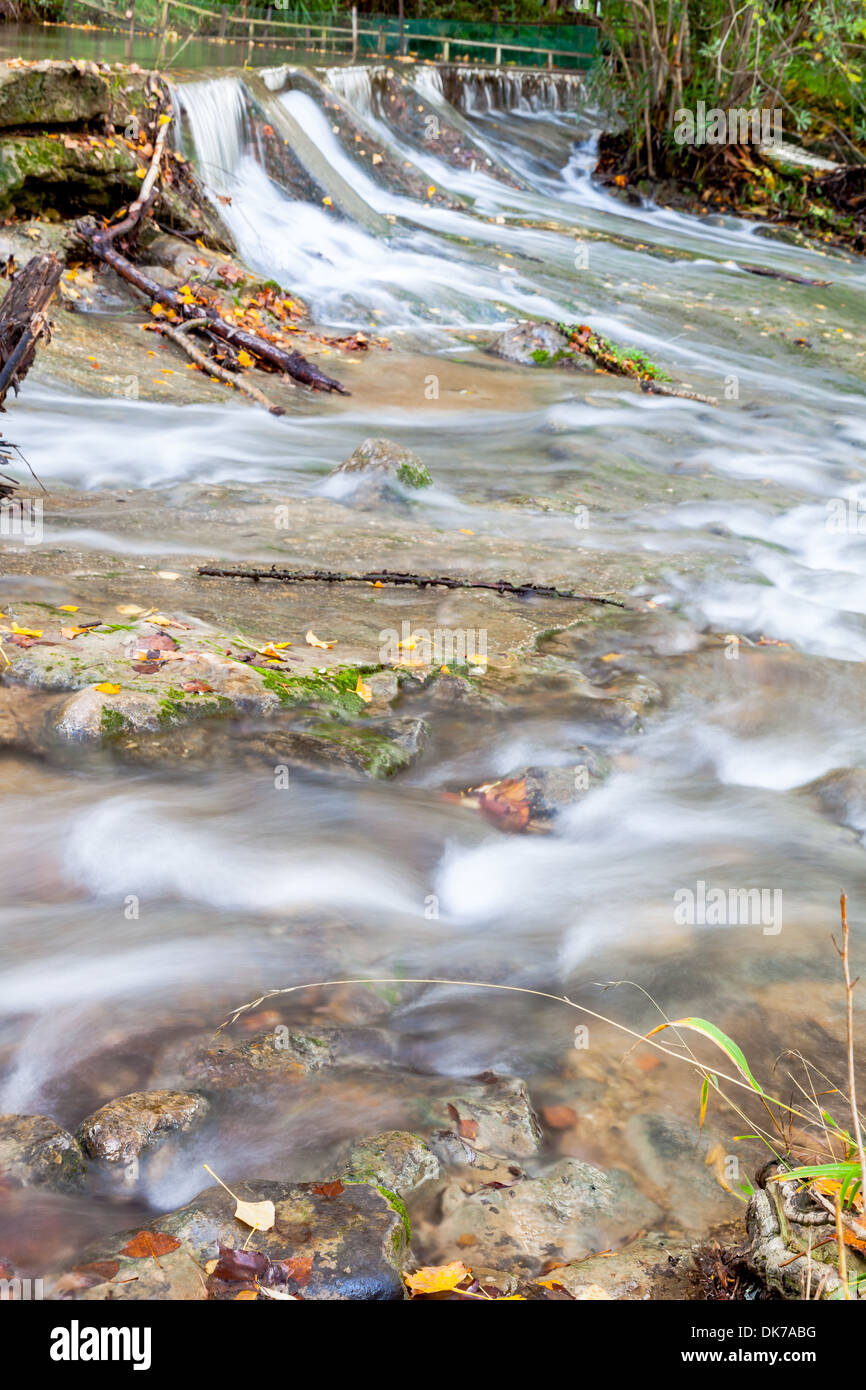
(437,1278)
(328,1189)
(505,803)
(72,631)
(559,1116)
(106,688)
(246,1296)
(147,1245)
(313,641)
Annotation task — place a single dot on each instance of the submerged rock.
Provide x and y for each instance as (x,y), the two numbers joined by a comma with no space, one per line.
(495,1116)
(843,793)
(653,1267)
(35,1151)
(277,1057)
(568,1212)
(328,1241)
(395,1159)
(124,1128)
(662,1146)
(378,470)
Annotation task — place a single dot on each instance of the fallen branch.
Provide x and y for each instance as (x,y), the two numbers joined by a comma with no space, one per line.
(419,581)
(178,336)
(100,242)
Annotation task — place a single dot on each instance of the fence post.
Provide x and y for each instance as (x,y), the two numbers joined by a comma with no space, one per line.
(130,15)
(550,60)
(446,50)
(498,57)
(354,32)
(380,42)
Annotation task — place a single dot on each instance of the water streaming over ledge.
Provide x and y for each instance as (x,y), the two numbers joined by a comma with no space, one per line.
(729,508)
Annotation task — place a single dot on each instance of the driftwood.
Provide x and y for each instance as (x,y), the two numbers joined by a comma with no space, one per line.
(293,363)
(419,581)
(22,319)
(179,337)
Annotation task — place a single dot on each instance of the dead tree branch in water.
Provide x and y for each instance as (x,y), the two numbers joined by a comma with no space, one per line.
(418,581)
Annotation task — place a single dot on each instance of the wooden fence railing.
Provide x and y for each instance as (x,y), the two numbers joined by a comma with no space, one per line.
(234,22)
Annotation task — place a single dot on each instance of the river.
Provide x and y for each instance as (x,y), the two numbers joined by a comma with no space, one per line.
(727,519)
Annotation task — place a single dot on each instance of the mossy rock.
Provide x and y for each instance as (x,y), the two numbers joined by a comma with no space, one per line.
(51,93)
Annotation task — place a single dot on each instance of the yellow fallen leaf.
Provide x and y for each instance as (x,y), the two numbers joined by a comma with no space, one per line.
(312,641)
(244,359)
(437,1278)
(271,649)
(613,656)
(364,691)
(211,1266)
(129,610)
(166,574)
(68,608)
(160,620)
(246,1296)
(260,1215)
(157,310)
(464,532)
(26,631)
(106,688)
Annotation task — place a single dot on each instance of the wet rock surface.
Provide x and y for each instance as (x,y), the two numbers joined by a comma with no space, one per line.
(328,1241)
(395,1159)
(278,1057)
(378,470)
(124,1128)
(569,1211)
(656,1267)
(495,1115)
(536,345)
(35,1151)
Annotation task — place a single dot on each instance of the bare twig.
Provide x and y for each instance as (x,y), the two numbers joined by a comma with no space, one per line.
(178,336)
(418,581)
(850,986)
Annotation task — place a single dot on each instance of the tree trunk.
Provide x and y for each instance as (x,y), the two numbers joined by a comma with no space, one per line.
(22,319)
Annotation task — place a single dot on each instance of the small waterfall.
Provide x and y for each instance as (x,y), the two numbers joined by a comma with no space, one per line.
(354,85)
(476,91)
(217,113)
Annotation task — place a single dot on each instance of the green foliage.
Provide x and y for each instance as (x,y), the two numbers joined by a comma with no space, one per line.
(802,59)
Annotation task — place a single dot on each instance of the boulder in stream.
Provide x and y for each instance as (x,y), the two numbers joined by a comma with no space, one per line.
(328,1241)
(278,1057)
(36,1151)
(495,1116)
(379,470)
(395,1159)
(532,344)
(124,1128)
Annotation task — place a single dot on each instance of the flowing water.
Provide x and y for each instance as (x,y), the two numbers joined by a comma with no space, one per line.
(732,514)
